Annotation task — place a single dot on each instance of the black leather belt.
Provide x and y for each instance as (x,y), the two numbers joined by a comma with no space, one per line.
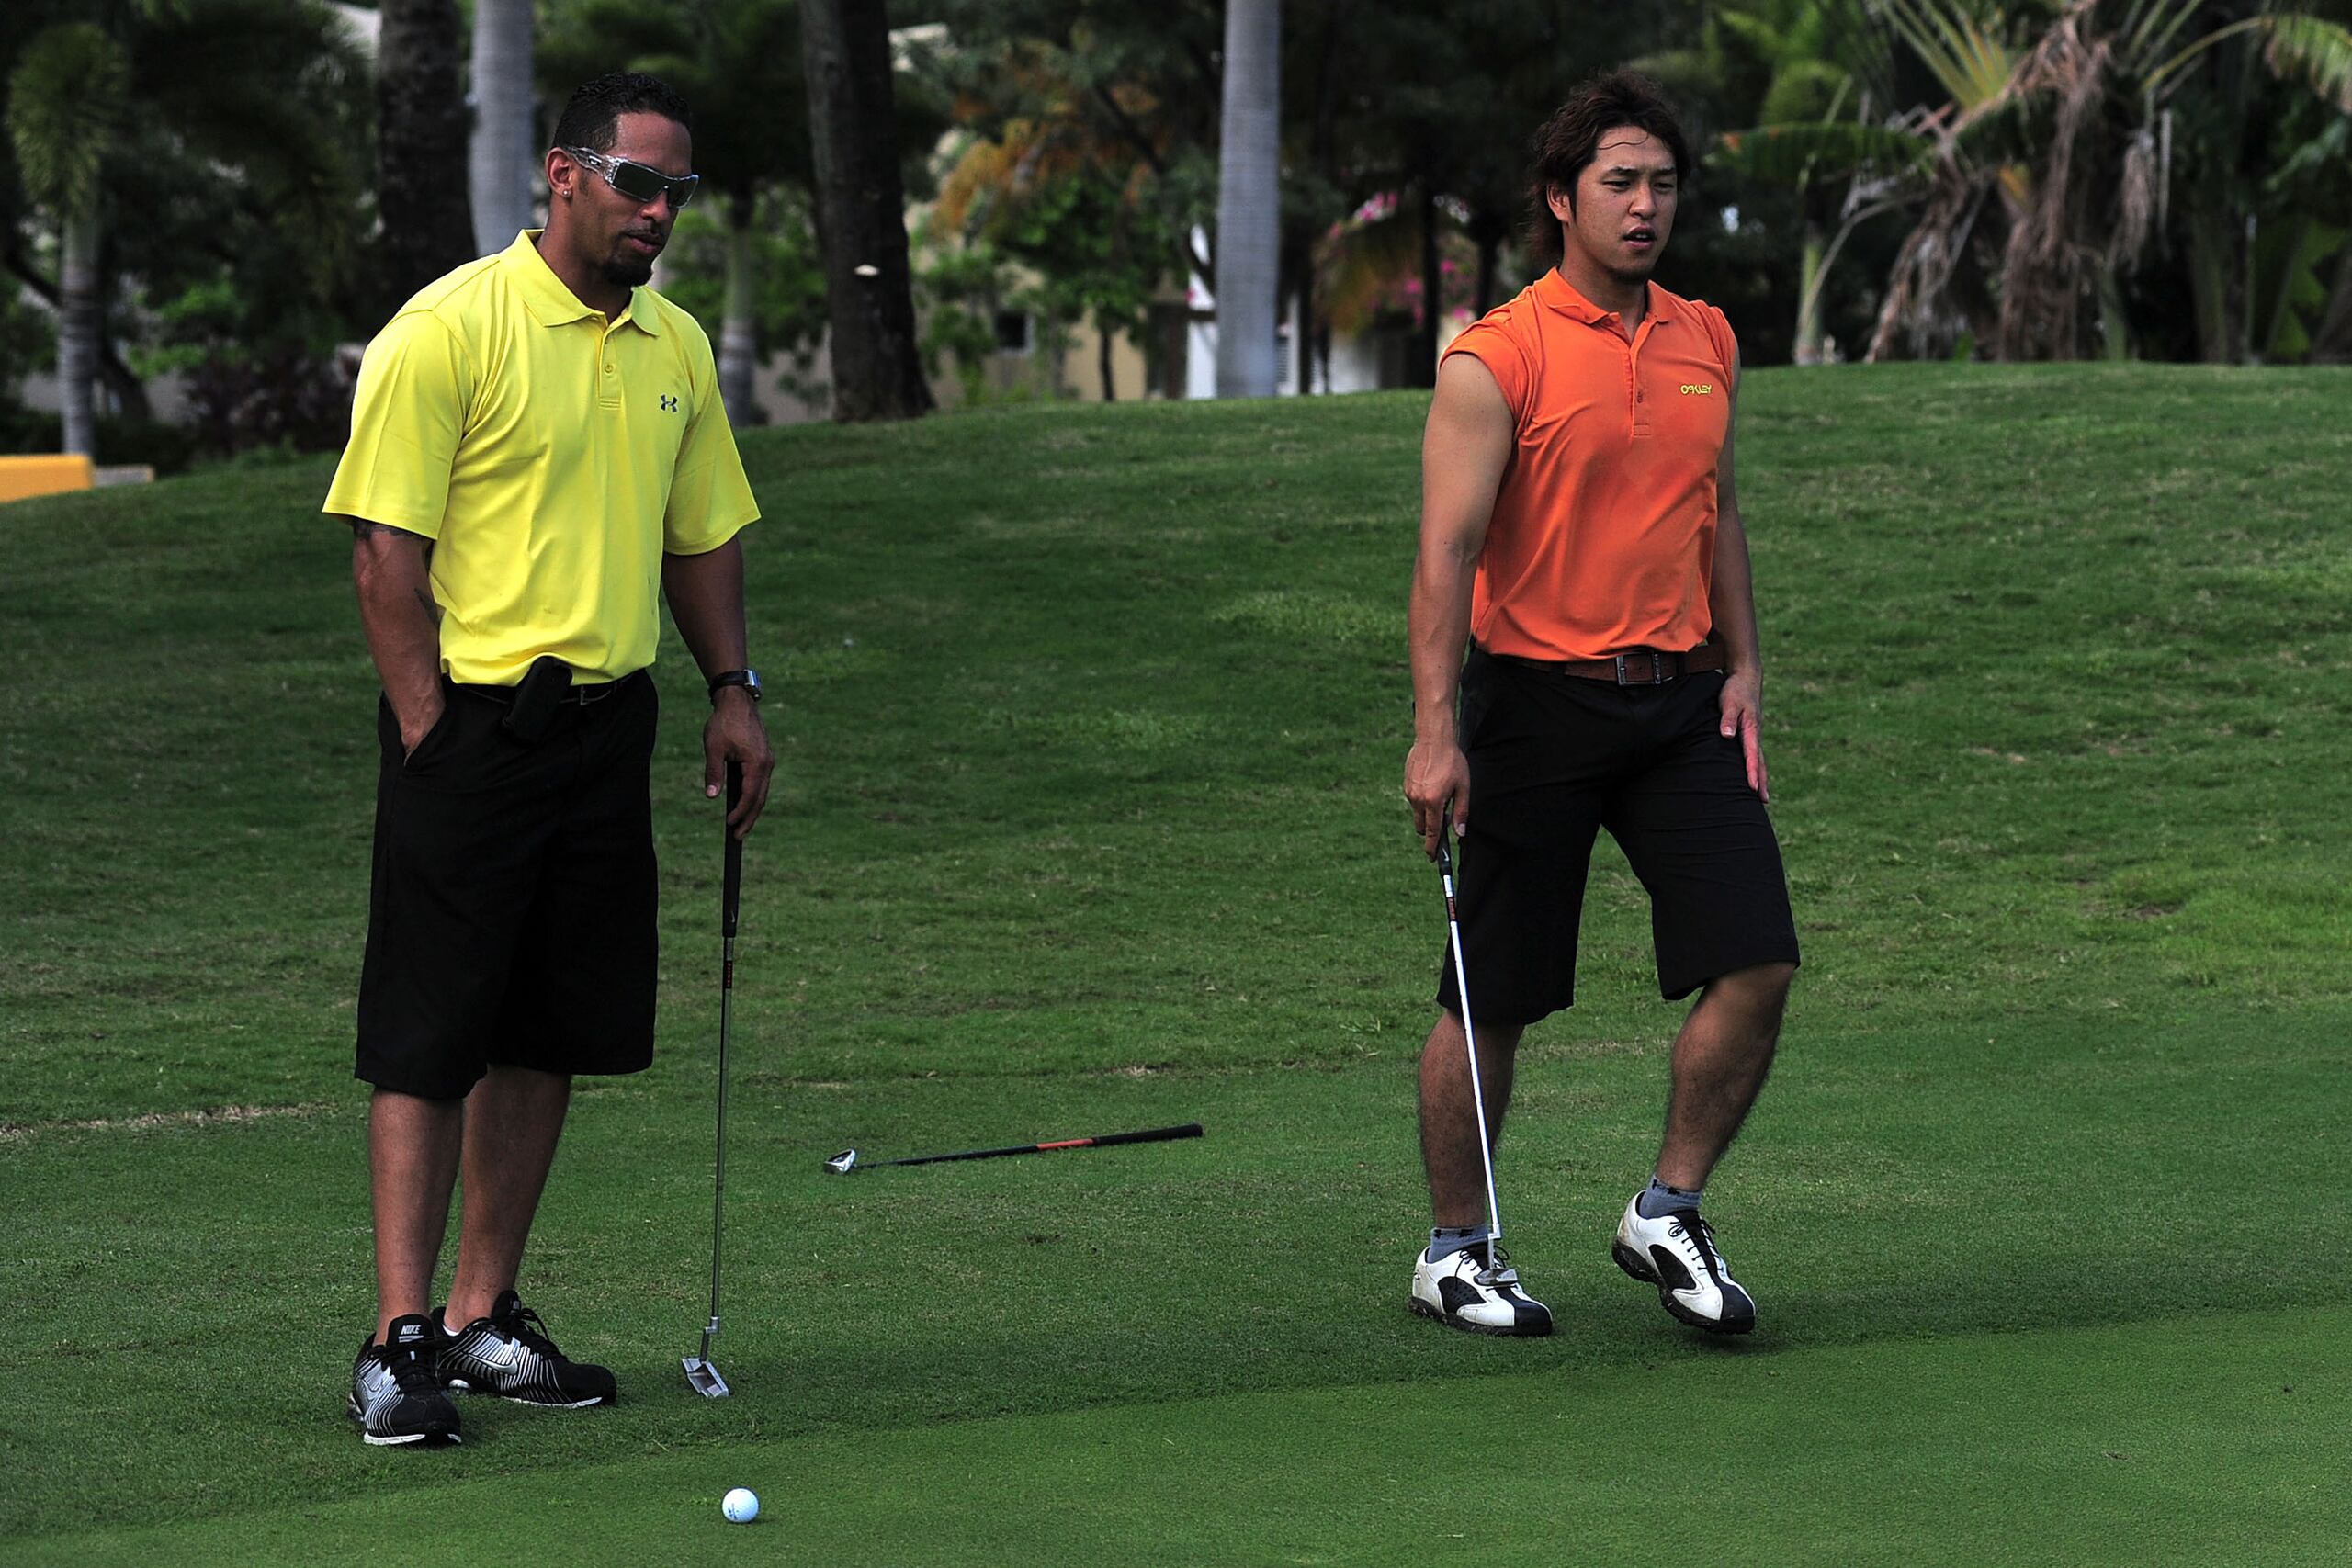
(1642,666)
(574,696)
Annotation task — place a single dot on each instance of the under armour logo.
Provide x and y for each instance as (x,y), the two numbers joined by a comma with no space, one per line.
(669,405)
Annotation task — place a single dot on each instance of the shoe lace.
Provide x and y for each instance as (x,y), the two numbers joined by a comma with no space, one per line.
(1703,1236)
(526,1325)
(1497,1269)
(413,1369)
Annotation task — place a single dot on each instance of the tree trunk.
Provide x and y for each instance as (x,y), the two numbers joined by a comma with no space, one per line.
(2211,261)
(420,143)
(1103,359)
(1248,202)
(77,331)
(1304,345)
(852,127)
(1490,266)
(1810,268)
(1422,372)
(2332,345)
(738,347)
(503,161)
(2114,321)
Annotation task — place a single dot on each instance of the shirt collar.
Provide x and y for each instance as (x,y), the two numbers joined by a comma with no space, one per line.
(1559,294)
(552,304)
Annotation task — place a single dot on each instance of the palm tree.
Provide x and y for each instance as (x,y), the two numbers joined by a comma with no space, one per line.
(1820,59)
(67,100)
(1248,202)
(503,156)
(2072,133)
(233,92)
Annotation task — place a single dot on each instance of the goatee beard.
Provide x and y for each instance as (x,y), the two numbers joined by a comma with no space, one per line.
(628,274)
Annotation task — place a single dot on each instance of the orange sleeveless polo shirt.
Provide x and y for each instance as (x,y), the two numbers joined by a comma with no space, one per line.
(1604,536)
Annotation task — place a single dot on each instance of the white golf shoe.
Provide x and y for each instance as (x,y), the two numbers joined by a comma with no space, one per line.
(1463,1290)
(1677,1253)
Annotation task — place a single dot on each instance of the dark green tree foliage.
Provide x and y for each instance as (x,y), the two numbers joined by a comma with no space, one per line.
(1125,92)
(233,209)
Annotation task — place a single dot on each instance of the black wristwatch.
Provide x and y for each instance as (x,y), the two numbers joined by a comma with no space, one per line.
(747,679)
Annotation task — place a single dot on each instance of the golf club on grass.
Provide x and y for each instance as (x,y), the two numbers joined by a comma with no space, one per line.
(701,1374)
(1469,1040)
(845,1162)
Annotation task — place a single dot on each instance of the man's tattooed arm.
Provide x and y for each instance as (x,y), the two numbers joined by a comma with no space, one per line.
(361,528)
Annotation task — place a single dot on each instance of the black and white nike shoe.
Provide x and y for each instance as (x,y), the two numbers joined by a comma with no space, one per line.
(1677,1253)
(396,1388)
(1465,1289)
(509,1354)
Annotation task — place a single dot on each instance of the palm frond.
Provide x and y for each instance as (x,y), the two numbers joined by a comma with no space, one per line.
(68,99)
(1784,154)
(2315,48)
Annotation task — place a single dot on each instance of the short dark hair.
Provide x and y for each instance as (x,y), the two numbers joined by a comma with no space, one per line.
(1571,138)
(592,119)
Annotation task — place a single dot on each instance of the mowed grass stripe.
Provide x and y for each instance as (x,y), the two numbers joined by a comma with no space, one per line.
(2207,1440)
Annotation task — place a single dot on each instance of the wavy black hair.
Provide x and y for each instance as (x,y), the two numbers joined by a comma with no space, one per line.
(592,119)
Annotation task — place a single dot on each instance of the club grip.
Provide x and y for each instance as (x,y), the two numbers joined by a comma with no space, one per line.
(1152,1135)
(730,896)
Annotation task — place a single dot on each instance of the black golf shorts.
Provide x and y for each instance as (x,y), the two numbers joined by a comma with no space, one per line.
(1553,759)
(510,918)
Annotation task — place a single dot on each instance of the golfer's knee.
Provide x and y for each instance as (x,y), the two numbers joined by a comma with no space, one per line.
(1760,992)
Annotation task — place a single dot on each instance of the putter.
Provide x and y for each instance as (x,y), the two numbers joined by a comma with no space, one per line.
(1469,1040)
(702,1373)
(845,1162)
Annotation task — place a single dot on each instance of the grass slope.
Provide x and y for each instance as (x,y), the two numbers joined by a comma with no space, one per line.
(1091,722)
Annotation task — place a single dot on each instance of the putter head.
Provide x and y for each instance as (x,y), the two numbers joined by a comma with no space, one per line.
(702,1376)
(840,1164)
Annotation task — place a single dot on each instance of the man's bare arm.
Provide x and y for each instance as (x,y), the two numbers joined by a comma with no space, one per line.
(1732,600)
(1464,448)
(705,594)
(390,566)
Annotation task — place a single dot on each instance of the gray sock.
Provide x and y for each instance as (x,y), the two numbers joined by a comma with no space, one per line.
(1659,1200)
(1447,1239)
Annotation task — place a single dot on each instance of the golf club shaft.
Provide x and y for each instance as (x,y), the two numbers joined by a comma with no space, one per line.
(1152,1135)
(1469,1040)
(731,898)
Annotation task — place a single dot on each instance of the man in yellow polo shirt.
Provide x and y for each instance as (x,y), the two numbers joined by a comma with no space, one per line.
(1582,538)
(537,455)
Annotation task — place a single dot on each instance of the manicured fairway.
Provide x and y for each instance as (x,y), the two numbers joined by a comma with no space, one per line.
(2056,1446)
(1092,722)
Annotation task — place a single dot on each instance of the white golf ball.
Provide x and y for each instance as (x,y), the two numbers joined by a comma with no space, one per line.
(742,1505)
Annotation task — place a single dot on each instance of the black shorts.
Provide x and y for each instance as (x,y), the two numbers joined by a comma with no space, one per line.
(1554,757)
(510,918)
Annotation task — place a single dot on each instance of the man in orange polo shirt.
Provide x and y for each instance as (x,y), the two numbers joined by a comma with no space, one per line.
(1581,538)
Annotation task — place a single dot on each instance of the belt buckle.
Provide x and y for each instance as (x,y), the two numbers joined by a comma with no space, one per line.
(1658,675)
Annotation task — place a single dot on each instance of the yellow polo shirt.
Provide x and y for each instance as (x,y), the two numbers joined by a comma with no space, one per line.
(551,455)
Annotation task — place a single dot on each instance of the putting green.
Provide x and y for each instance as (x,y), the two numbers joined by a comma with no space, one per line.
(2194,1440)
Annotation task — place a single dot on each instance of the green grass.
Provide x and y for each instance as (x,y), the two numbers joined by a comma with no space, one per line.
(1091,723)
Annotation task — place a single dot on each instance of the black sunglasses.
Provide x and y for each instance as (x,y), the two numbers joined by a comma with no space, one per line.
(636,181)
